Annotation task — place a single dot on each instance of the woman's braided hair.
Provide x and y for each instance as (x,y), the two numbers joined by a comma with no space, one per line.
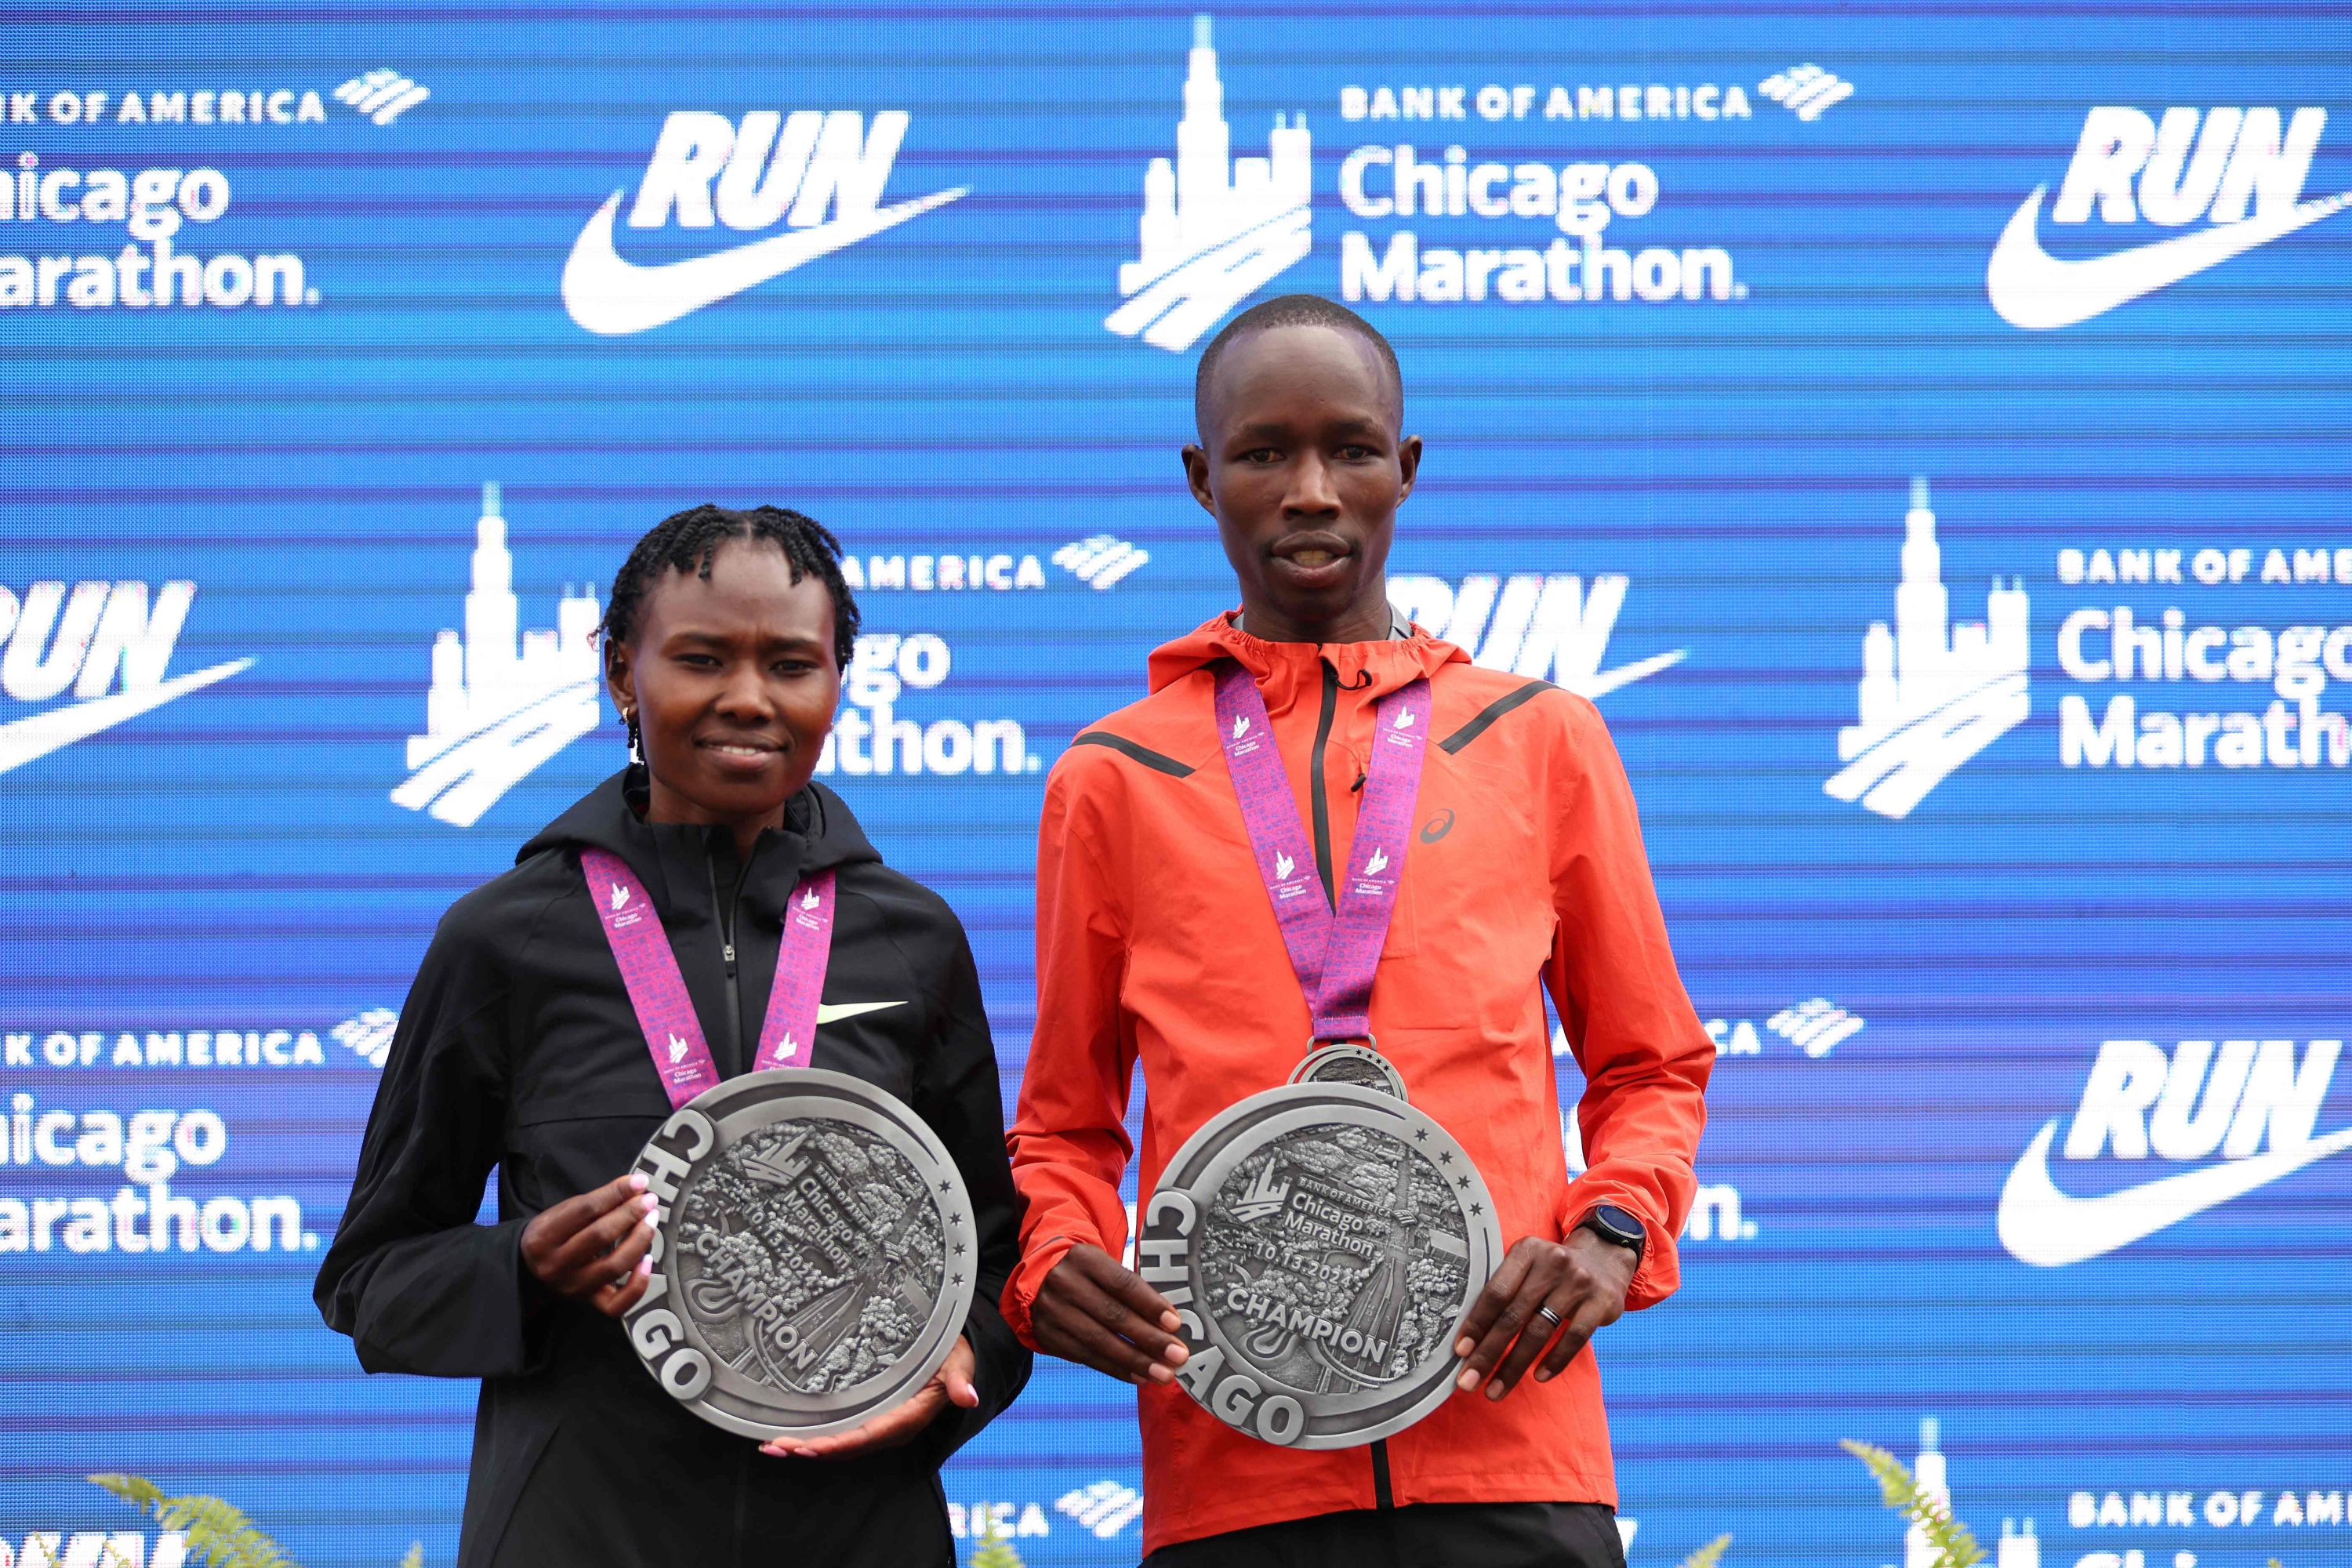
(687,541)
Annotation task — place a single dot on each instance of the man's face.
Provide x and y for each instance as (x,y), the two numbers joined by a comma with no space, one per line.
(1300,463)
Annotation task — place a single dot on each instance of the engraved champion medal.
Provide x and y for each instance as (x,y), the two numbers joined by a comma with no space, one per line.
(1322,1241)
(814,1253)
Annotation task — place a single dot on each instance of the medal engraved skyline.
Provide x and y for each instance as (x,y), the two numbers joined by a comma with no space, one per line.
(810,1254)
(1324,1241)
(816,1254)
(1352,1279)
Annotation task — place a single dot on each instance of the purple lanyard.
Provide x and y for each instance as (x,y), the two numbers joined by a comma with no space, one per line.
(1334,952)
(658,992)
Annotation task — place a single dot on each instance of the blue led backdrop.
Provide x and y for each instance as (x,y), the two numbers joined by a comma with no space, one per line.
(1921,429)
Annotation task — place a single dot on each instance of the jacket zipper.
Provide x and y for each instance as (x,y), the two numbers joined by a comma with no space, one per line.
(726,950)
(1315,786)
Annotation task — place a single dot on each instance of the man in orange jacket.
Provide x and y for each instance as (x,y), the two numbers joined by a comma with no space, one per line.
(1157,939)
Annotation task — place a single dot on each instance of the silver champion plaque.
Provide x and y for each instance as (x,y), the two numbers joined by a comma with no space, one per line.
(1322,1243)
(813,1256)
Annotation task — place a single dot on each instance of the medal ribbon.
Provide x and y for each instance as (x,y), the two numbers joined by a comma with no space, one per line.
(657,991)
(1334,952)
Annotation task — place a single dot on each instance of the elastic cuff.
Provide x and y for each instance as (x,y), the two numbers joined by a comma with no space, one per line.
(1021,1291)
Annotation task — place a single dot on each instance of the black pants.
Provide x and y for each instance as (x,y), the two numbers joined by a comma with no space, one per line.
(1423,1535)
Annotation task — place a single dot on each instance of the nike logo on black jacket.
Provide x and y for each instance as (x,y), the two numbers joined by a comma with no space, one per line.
(518,1049)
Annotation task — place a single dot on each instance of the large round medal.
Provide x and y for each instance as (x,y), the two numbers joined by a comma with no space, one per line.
(1322,1243)
(814,1257)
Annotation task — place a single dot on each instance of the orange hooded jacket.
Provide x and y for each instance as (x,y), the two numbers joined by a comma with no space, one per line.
(1155,940)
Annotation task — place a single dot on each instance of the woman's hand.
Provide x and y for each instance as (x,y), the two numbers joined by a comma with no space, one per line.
(592,1248)
(951,1385)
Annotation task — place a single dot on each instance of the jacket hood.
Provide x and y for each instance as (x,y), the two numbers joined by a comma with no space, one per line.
(817,823)
(1374,669)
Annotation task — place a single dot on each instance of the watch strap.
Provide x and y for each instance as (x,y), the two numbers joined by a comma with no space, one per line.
(1617,1226)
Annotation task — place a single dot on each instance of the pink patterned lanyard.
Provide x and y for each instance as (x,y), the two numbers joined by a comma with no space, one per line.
(1334,952)
(658,992)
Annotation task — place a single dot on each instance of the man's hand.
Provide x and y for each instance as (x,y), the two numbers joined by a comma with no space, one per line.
(951,1385)
(1092,1311)
(592,1248)
(1581,1280)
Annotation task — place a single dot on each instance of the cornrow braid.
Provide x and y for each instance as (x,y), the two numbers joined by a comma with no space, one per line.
(686,540)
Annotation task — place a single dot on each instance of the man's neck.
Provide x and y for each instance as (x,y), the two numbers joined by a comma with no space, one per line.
(1376,621)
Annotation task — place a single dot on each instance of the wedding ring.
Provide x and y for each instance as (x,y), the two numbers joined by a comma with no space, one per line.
(1548,1316)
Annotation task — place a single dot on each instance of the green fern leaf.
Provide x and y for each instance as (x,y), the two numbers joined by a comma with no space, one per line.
(995,1549)
(137,1490)
(1955,1546)
(1710,1554)
(218,1533)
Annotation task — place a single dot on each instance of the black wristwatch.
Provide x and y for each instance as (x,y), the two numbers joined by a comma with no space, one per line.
(1612,1223)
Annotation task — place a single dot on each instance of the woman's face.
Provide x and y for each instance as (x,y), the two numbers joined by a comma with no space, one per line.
(734,684)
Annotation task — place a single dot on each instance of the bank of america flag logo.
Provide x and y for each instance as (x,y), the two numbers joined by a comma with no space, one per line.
(1215,228)
(499,706)
(1101,560)
(383,95)
(1806,90)
(1933,694)
(1106,1507)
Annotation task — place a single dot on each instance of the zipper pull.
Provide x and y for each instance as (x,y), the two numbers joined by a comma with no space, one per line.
(729,951)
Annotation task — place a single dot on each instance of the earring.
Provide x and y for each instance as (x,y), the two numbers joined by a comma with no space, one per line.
(637,740)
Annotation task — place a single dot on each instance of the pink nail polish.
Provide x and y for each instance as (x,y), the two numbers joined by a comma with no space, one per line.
(637,1180)
(644,1265)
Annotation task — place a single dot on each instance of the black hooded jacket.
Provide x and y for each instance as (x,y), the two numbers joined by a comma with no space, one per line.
(518,1049)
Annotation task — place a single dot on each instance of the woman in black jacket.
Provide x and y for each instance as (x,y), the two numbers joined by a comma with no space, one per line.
(518,1049)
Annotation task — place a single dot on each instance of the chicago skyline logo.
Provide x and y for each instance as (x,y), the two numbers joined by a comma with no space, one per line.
(1933,694)
(1215,228)
(1551,626)
(770,169)
(501,706)
(2179,170)
(2254,1102)
(94,654)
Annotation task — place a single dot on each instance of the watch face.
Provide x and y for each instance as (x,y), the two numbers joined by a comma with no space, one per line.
(1618,1226)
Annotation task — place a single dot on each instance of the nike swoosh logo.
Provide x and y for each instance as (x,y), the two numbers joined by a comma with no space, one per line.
(30,739)
(614,297)
(2041,1226)
(827,1012)
(2032,289)
(1595,686)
